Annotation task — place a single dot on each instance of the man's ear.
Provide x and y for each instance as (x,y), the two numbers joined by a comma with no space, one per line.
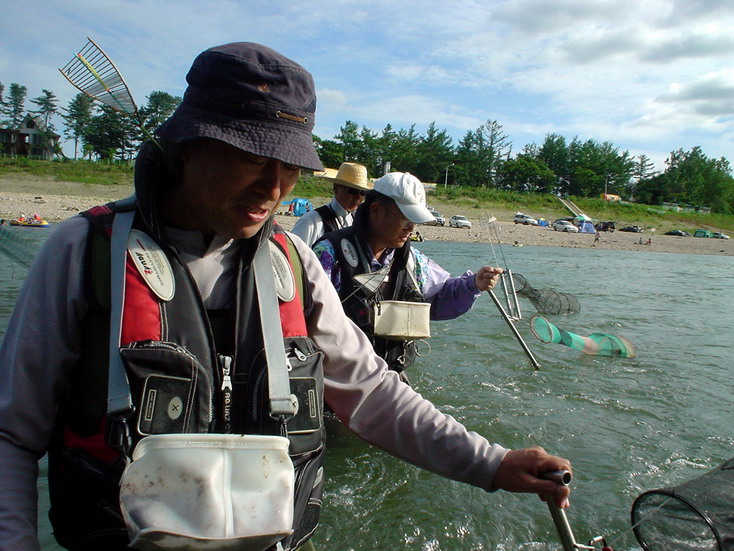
(376,209)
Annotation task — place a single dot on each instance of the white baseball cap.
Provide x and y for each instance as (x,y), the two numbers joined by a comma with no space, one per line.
(408,193)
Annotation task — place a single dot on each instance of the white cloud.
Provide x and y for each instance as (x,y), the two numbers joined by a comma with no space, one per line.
(423,74)
(333,99)
(652,75)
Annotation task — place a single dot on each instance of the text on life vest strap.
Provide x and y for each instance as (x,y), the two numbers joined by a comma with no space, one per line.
(151,262)
(285,283)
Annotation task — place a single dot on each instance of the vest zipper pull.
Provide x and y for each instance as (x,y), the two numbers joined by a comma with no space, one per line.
(226,364)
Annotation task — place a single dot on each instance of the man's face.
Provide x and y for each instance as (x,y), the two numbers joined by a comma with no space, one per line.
(227,191)
(388,226)
(347,197)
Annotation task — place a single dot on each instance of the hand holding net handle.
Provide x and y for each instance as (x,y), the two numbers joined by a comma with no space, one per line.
(559,477)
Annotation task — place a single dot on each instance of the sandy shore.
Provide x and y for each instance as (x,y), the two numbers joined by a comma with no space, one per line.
(56,201)
(519,235)
(53,201)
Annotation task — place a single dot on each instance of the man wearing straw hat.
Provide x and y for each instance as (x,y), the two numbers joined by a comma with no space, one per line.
(350,186)
(199,272)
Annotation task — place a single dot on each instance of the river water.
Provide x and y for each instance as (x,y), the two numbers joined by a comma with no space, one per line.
(627,425)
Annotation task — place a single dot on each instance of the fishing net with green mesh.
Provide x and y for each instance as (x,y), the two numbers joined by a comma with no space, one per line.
(596,344)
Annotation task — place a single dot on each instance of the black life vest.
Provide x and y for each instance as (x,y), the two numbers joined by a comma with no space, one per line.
(170,351)
(359,304)
(329,218)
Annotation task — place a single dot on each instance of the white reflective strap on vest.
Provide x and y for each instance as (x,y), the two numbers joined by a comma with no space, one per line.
(279,387)
(118,388)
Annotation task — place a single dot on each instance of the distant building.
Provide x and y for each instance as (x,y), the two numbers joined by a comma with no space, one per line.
(27,140)
(687,208)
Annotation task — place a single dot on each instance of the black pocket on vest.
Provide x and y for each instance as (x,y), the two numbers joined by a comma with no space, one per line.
(306,428)
(171,390)
(307,507)
(85,493)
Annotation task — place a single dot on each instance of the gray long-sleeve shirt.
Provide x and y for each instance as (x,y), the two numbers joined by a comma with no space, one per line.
(43,342)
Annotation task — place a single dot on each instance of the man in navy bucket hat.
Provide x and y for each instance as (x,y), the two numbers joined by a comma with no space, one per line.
(191,330)
(250,97)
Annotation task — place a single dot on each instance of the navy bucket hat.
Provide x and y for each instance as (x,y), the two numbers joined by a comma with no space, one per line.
(251,97)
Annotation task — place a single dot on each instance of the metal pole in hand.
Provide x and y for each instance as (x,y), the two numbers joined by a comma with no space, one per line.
(559,515)
(515,332)
(562,527)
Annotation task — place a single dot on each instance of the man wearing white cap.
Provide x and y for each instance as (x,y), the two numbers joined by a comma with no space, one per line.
(350,187)
(379,241)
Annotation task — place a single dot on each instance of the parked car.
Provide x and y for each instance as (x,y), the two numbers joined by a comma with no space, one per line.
(526,219)
(440,220)
(458,221)
(701,233)
(564,225)
(605,226)
(719,235)
(680,233)
(633,229)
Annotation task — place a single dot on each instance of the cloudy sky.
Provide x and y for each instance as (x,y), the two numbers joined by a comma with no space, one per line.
(651,76)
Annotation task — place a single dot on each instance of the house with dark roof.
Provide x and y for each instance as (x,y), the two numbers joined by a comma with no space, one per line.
(28,140)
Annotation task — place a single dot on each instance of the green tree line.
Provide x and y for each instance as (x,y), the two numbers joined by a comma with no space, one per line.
(482,158)
(98,131)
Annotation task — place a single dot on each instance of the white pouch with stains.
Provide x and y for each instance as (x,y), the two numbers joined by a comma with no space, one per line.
(400,320)
(208,491)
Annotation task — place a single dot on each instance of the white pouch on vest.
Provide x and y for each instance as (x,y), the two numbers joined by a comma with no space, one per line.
(400,320)
(208,491)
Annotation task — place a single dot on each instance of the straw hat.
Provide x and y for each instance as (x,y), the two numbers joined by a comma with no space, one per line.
(351,175)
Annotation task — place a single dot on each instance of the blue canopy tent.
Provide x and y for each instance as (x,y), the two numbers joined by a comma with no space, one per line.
(298,206)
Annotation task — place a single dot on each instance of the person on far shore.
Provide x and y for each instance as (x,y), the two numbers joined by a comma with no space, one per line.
(351,184)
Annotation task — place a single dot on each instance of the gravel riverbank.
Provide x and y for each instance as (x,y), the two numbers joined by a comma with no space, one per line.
(56,201)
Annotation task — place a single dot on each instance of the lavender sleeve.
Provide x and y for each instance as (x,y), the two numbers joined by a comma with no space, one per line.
(449,296)
(324,251)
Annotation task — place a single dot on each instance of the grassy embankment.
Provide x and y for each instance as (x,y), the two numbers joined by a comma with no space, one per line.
(471,202)
(83,172)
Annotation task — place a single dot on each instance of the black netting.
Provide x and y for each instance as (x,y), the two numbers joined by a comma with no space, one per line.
(16,248)
(546,301)
(697,515)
